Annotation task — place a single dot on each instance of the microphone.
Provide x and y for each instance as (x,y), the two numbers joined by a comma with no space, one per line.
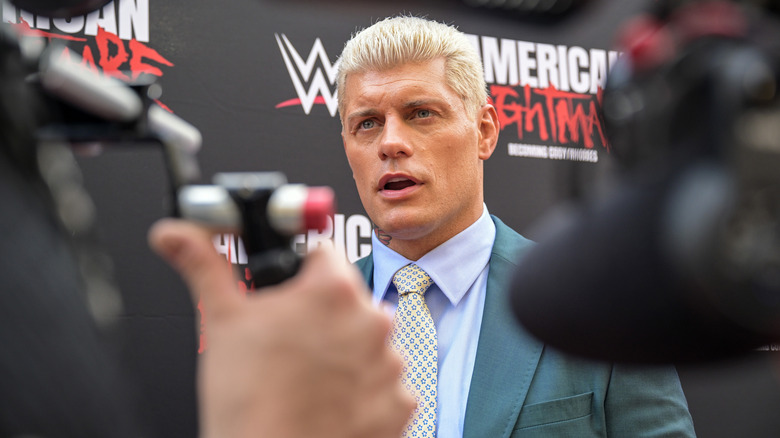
(639,277)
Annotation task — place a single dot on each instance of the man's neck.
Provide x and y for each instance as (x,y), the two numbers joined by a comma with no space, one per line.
(414,248)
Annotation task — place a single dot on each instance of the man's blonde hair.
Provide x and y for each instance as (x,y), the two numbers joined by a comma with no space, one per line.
(399,40)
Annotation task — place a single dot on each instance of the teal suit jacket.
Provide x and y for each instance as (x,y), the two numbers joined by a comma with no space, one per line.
(522,388)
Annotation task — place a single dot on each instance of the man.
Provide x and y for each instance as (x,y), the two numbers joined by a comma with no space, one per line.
(417,127)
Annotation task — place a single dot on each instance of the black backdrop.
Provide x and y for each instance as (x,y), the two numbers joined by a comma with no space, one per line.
(222,68)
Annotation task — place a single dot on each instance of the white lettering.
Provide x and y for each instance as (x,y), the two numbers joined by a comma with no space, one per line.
(578,154)
(69,25)
(134,20)
(127,19)
(358,227)
(500,64)
(579,80)
(350,236)
(547,65)
(42,22)
(526,63)
(9,12)
(539,65)
(27,17)
(104,17)
(557,153)
(528,150)
(563,69)
(552,152)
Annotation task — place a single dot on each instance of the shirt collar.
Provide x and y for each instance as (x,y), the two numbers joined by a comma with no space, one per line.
(469,250)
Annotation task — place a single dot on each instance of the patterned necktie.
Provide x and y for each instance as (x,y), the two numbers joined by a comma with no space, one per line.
(414,338)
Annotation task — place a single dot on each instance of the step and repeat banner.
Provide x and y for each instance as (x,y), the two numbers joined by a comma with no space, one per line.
(257,78)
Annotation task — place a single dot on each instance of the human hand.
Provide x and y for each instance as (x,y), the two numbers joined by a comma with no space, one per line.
(300,359)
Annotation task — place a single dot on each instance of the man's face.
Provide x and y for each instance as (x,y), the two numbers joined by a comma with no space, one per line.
(416,153)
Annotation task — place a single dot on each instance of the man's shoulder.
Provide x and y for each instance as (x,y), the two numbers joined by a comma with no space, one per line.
(509,243)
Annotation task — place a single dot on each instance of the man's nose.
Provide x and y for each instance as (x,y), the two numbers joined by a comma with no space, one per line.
(394,142)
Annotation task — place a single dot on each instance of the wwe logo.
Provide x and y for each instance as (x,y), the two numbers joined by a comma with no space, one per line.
(300,71)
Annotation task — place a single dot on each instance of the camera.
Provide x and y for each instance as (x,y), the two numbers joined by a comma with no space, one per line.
(72,107)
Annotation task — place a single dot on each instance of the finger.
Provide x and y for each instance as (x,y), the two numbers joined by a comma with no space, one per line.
(190,250)
(328,273)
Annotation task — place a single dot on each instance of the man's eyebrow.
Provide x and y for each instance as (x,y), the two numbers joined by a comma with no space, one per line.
(423,102)
(368,112)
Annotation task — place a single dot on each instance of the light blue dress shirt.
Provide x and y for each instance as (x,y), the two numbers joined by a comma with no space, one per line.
(459,269)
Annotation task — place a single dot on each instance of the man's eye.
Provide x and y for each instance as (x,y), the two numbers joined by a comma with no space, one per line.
(366,124)
(423,113)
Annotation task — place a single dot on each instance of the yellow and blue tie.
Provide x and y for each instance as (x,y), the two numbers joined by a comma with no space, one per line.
(414,338)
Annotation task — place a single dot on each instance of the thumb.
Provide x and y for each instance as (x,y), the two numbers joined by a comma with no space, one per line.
(190,250)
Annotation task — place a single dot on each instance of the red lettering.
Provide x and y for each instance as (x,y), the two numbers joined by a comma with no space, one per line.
(141,51)
(110,64)
(571,117)
(114,58)
(510,112)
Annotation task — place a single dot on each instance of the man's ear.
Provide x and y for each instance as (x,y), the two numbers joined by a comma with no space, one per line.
(487,118)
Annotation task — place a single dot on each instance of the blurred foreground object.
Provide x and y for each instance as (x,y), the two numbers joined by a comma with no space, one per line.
(58,303)
(680,262)
(59,8)
(550,10)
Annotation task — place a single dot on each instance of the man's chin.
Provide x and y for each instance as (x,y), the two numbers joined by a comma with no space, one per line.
(403,230)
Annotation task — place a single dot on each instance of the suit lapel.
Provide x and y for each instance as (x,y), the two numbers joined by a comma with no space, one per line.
(366,268)
(506,355)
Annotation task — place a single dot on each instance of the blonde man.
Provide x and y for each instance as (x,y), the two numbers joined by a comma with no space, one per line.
(417,127)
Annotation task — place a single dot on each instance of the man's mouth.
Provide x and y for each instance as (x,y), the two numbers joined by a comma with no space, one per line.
(398,184)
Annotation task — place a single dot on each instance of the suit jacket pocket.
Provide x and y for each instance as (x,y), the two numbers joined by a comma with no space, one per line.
(555,411)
